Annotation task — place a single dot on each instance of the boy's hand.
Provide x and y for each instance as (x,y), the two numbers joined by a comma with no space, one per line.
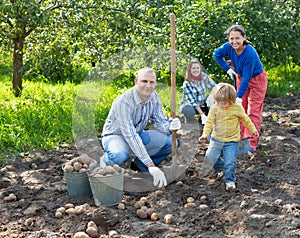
(202,138)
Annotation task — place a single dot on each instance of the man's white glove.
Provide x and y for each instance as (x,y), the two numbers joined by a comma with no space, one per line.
(203,119)
(231,73)
(238,100)
(158,176)
(175,124)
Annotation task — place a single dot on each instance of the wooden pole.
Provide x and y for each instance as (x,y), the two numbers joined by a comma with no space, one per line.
(173,78)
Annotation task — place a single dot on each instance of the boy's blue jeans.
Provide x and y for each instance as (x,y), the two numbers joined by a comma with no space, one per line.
(157,144)
(223,155)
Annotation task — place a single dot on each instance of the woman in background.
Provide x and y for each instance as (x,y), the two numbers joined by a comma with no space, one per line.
(251,78)
(195,84)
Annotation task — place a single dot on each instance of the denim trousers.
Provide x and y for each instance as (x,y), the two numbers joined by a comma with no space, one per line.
(223,156)
(117,150)
(189,112)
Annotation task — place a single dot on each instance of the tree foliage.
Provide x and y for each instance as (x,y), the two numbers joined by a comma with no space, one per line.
(58,40)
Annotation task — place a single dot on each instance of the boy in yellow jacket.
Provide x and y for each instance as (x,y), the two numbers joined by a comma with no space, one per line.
(223,123)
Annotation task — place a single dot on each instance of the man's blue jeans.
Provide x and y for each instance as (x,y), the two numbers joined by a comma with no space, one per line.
(223,155)
(157,144)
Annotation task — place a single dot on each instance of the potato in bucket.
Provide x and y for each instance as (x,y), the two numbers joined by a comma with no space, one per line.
(75,172)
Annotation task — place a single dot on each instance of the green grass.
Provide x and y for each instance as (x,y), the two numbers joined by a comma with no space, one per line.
(284,81)
(40,118)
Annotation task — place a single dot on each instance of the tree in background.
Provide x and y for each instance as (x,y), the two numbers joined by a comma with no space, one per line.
(19,18)
(69,27)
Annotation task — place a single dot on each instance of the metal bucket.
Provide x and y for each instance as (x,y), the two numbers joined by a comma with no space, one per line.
(78,184)
(107,190)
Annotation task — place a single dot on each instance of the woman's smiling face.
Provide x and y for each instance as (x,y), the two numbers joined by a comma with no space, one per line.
(236,40)
(195,69)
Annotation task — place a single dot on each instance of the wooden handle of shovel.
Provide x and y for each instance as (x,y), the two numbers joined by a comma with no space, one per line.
(173,78)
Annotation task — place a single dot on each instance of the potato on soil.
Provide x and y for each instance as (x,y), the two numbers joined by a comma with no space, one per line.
(203,198)
(203,206)
(61,210)
(69,205)
(78,210)
(144,199)
(158,192)
(81,234)
(179,183)
(190,205)
(91,231)
(154,216)
(10,198)
(190,200)
(92,224)
(168,218)
(58,214)
(141,214)
(70,210)
(121,206)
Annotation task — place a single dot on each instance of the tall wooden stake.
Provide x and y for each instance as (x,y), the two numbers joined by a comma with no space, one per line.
(173,79)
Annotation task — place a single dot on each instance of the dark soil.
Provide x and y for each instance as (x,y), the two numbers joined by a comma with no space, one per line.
(266,202)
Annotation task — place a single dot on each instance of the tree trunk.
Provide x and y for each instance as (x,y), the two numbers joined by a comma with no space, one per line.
(17,66)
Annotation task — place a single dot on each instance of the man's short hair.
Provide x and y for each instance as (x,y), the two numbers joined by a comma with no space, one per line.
(143,71)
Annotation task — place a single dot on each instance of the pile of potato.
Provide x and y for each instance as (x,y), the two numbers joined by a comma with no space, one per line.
(107,171)
(143,211)
(91,231)
(190,203)
(79,164)
(69,209)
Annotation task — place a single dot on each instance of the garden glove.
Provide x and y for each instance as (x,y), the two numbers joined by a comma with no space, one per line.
(231,73)
(209,100)
(175,124)
(158,177)
(238,100)
(203,119)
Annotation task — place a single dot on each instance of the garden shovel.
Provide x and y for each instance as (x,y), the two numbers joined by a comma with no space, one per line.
(175,170)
